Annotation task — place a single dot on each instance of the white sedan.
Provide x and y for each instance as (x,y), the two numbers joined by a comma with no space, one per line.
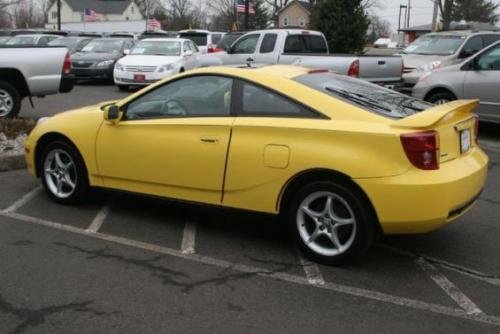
(154,59)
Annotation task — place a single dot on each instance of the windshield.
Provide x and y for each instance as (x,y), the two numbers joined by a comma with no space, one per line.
(440,45)
(157,48)
(373,98)
(104,46)
(199,39)
(21,40)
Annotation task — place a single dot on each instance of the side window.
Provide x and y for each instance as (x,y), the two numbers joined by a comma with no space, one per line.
(187,46)
(43,41)
(194,47)
(490,61)
(490,39)
(258,101)
(472,46)
(268,43)
(246,44)
(206,95)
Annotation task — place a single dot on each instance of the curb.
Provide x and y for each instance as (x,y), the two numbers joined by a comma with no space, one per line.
(12,162)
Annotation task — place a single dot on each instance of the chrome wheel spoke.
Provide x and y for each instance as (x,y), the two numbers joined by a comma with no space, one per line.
(311,213)
(335,239)
(59,162)
(317,232)
(60,173)
(59,186)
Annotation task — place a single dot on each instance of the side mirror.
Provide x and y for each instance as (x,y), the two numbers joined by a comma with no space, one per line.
(126,52)
(112,114)
(227,48)
(188,53)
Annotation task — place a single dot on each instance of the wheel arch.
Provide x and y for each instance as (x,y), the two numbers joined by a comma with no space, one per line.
(16,78)
(440,89)
(307,176)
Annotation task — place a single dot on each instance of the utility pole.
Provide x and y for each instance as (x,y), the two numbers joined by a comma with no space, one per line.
(435,15)
(408,16)
(59,15)
(247,10)
(401,7)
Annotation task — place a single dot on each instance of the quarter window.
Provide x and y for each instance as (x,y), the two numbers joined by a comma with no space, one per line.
(268,43)
(193,96)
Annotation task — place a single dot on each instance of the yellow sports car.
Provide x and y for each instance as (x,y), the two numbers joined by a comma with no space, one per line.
(341,158)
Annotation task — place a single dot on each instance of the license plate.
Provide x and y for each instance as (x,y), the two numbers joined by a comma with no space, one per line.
(139,77)
(465,140)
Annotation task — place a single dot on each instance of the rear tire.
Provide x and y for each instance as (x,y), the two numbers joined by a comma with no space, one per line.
(123,88)
(331,222)
(10,100)
(441,98)
(63,173)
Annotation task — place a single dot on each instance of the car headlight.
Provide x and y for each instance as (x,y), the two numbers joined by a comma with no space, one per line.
(430,67)
(105,63)
(118,67)
(164,68)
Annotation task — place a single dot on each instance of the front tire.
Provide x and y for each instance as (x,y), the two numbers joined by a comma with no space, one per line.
(441,98)
(63,173)
(331,222)
(10,100)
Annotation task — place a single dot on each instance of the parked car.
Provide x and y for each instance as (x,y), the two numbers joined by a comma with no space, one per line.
(97,59)
(306,48)
(340,158)
(227,41)
(154,59)
(204,39)
(30,72)
(436,50)
(475,78)
(158,34)
(31,40)
(73,43)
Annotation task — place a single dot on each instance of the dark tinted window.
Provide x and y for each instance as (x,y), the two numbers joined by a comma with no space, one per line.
(490,60)
(199,39)
(228,39)
(472,46)
(258,101)
(305,44)
(490,39)
(361,93)
(268,43)
(216,38)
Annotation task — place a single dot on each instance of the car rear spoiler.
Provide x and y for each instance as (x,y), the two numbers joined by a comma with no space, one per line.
(434,115)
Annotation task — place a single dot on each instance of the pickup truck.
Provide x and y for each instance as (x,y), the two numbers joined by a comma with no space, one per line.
(32,71)
(307,48)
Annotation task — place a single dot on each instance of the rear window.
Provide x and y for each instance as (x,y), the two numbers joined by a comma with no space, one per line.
(199,39)
(376,99)
(216,38)
(305,44)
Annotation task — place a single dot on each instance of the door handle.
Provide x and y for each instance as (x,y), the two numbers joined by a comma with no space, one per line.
(249,59)
(209,140)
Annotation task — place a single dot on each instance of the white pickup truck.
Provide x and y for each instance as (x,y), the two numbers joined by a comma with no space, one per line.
(32,71)
(307,48)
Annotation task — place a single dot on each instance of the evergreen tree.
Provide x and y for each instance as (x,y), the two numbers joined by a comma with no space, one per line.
(475,10)
(344,23)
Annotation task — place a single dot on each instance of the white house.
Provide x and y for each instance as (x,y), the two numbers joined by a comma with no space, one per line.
(115,10)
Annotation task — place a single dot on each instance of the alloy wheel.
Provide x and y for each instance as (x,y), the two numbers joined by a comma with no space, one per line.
(60,173)
(6,103)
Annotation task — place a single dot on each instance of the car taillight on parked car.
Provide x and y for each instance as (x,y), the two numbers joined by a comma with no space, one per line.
(67,64)
(354,69)
(211,49)
(476,129)
(422,149)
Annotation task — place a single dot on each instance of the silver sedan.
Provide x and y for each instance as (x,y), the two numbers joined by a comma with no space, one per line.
(476,78)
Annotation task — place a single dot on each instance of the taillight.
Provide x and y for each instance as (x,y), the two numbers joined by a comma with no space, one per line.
(476,129)
(217,50)
(211,49)
(354,69)
(422,149)
(67,64)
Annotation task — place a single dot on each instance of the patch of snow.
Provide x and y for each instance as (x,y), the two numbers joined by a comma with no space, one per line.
(10,147)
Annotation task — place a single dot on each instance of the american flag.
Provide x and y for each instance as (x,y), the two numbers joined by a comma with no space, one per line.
(90,15)
(153,24)
(240,7)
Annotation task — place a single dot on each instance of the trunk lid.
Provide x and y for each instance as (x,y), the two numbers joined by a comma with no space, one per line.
(454,122)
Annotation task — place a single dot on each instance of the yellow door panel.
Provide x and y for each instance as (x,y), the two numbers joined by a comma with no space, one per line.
(180,158)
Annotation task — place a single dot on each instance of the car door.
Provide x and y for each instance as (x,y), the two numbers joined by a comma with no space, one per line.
(172,141)
(243,51)
(267,49)
(482,81)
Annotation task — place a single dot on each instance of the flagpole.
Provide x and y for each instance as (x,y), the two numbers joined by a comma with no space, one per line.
(84,22)
(247,9)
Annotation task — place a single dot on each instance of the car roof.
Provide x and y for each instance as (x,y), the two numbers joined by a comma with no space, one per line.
(168,39)
(278,71)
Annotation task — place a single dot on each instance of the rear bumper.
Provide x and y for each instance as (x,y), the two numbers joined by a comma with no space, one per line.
(67,83)
(422,201)
(93,73)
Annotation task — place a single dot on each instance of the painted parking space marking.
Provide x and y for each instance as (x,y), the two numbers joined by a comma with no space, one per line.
(23,200)
(277,275)
(189,238)
(99,219)
(447,286)
(313,274)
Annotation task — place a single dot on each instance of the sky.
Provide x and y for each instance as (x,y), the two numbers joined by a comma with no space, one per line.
(421,12)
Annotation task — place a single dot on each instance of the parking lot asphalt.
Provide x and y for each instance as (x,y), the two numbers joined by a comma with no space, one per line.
(127,264)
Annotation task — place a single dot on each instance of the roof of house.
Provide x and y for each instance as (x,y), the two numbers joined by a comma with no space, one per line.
(100,6)
(304,4)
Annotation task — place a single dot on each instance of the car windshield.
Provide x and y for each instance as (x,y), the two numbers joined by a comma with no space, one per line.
(21,40)
(157,48)
(104,46)
(373,98)
(199,39)
(440,45)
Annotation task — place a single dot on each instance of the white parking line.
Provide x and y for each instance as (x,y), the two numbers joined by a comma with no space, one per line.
(189,238)
(98,220)
(313,274)
(451,289)
(23,200)
(353,291)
